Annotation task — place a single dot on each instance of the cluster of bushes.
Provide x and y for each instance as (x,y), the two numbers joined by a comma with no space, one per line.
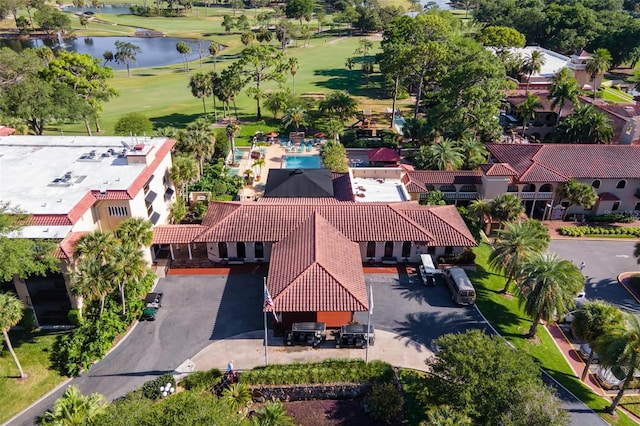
(327,371)
(151,389)
(385,138)
(466,257)
(201,380)
(75,351)
(579,231)
(621,217)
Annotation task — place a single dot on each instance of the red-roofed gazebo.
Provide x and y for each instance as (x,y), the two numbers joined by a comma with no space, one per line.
(383,156)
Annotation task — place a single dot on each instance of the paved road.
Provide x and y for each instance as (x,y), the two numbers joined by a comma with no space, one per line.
(187,323)
(604,261)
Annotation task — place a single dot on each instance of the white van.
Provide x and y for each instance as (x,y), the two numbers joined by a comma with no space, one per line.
(428,270)
(462,290)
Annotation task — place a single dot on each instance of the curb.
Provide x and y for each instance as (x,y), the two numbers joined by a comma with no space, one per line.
(623,275)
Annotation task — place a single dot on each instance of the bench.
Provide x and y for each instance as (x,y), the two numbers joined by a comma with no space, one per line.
(235,261)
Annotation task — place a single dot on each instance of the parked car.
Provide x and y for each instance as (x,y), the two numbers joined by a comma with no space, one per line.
(612,378)
(585,352)
(579,301)
(152,302)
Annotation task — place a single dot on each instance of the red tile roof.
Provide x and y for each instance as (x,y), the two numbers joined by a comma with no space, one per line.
(607,196)
(111,195)
(176,234)
(444,223)
(443,177)
(557,161)
(498,169)
(67,245)
(383,155)
(315,268)
(48,220)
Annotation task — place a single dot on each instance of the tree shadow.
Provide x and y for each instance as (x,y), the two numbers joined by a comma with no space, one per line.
(352,81)
(175,119)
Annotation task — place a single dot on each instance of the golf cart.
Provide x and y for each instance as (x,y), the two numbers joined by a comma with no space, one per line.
(306,333)
(152,302)
(354,336)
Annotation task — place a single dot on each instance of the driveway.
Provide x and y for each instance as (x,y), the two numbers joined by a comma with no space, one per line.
(604,261)
(196,310)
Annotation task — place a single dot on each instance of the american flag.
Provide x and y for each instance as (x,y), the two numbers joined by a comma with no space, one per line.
(268,301)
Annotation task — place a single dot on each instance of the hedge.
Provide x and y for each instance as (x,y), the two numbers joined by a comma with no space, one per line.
(579,231)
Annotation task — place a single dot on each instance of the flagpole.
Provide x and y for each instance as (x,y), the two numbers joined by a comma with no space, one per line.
(366,356)
(266,341)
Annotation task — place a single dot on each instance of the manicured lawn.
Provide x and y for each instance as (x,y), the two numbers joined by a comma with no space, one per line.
(614,95)
(33,351)
(631,403)
(505,314)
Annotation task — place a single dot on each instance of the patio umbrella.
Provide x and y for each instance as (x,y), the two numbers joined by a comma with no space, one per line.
(272,134)
(320,135)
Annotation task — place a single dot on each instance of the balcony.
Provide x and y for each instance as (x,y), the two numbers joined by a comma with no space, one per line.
(460,195)
(535,195)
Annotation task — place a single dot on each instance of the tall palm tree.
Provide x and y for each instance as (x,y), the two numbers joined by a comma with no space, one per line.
(126,269)
(125,54)
(135,231)
(474,151)
(183,171)
(92,280)
(563,88)
(293,65)
(233,129)
(272,414)
(184,49)
(214,50)
(527,110)
(339,105)
(333,128)
(200,143)
(515,244)
(73,409)
(599,63)
(620,347)
(591,321)
(259,163)
(482,209)
(533,64)
(11,309)
(506,208)
(547,287)
(201,87)
(295,116)
(446,155)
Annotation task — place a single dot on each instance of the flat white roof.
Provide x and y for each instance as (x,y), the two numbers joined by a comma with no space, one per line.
(380,190)
(553,61)
(54,232)
(51,174)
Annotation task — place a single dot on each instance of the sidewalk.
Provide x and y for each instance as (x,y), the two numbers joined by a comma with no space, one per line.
(247,351)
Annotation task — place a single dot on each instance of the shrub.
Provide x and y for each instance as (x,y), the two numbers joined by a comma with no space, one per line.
(579,231)
(28,319)
(467,256)
(75,318)
(385,402)
(201,380)
(151,389)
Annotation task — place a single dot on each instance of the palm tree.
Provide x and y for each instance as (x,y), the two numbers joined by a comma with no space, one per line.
(73,409)
(247,38)
(445,415)
(232,130)
(592,320)
(295,116)
(446,155)
(183,171)
(634,57)
(620,347)
(259,163)
(214,50)
(293,65)
(527,110)
(474,151)
(184,49)
(135,231)
(238,395)
(340,105)
(564,88)
(127,268)
(599,63)
(201,86)
(333,128)
(515,244)
(482,209)
(11,309)
(547,287)
(125,54)
(533,64)
(92,280)
(200,143)
(506,208)
(272,414)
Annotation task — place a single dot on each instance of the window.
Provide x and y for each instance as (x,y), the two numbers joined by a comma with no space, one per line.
(468,188)
(512,188)
(431,250)
(616,206)
(447,188)
(241,250)
(406,249)
(259,250)
(448,250)
(596,183)
(529,188)
(222,249)
(371,249)
(118,211)
(621,184)
(546,188)
(388,249)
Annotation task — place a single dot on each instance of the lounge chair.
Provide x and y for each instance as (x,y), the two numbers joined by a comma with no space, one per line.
(309,147)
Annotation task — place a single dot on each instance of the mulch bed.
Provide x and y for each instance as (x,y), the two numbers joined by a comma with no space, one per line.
(329,413)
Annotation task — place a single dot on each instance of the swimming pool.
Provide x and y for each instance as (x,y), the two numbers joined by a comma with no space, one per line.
(303,162)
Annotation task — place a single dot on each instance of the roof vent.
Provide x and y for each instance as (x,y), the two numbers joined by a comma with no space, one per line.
(296,172)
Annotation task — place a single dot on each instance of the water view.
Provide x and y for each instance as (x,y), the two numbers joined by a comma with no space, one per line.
(156,51)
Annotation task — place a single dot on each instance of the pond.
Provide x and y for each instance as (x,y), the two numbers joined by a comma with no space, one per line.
(156,51)
(110,9)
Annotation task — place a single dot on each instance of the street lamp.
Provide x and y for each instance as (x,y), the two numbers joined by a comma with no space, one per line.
(167,389)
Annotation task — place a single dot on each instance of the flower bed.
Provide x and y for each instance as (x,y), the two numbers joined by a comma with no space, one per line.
(579,231)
